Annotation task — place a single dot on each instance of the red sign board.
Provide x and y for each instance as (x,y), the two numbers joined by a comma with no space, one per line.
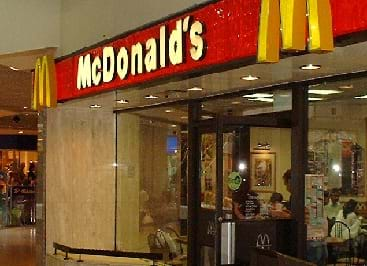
(231,34)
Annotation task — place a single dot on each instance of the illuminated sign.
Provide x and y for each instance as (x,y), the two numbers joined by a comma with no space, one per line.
(230,34)
(288,19)
(140,57)
(44,87)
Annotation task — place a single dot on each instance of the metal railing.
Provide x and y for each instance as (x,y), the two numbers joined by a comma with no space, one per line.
(154,257)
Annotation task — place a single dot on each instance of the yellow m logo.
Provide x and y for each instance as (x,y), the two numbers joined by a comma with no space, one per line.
(44,87)
(288,18)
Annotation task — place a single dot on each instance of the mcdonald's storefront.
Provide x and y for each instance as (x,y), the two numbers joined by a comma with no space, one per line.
(189,124)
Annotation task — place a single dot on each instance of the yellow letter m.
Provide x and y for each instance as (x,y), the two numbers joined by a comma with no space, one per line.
(44,87)
(288,18)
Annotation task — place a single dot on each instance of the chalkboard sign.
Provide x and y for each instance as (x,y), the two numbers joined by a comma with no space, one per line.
(251,206)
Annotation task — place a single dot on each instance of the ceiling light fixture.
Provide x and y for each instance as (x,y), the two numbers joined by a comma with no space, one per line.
(168,111)
(324,92)
(122,101)
(14,68)
(184,117)
(206,117)
(361,97)
(20,132)
(173,125)
(195,89)
(95,106)
(25,107)
(258,95)
(150,96)
(310,67)
(249,78)
(315,99)
(260,99)
(346,87)
(235,102)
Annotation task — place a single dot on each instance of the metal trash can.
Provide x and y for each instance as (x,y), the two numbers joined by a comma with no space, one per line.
(228,243)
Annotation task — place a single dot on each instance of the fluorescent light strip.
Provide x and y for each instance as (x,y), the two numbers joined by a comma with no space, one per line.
(315,99)
(195,89)
(324,92)
(361,97)
(261,99)
(258,95)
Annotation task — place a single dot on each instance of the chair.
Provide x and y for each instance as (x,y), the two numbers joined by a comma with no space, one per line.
(343,252)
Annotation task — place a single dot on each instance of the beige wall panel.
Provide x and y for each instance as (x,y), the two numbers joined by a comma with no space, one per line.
(80,177)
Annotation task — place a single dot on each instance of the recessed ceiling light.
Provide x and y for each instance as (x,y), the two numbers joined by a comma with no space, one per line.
(361,97)
(95,106)
(173,125)
(310,67)
(206,117)
(346,87)
(20,132)
(260,99)
(249,78)
(235,102)
(184,117)
(14,68)
(315,99)
(258,95)
(122,101)
(324,92)
(25,107)
(195,89)
(168,111)
(150,97)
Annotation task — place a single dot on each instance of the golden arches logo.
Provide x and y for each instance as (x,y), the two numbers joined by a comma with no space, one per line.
(288,18)
(44,87)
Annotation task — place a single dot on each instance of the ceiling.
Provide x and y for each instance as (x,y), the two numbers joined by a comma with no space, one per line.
(16,91)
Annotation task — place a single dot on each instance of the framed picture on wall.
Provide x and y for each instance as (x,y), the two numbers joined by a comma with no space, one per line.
(263,174)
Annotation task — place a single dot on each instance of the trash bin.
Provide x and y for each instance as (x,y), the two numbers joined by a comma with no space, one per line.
(228,243)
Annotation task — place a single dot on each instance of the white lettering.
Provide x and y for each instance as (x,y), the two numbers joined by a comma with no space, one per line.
(136,58)
(175,44)
(108,63)
(84,78)
(162,46)
(151,55)
(96,71)
(122,63)
(197,49)
(92,71)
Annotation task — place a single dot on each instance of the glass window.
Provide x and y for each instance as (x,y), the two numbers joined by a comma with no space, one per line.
(151,179)
(337,135)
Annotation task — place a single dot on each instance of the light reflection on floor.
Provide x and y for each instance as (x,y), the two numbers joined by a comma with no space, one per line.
(18,246)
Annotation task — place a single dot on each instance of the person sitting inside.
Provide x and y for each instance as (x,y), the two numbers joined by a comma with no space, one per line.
(333,207)
(348,216)
(277,208)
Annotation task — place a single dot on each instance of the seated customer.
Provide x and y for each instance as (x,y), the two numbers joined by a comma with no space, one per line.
(348,216)
(277,208)
(333,206)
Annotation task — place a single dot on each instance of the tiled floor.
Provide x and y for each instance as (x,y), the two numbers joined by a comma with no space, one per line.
(17,246)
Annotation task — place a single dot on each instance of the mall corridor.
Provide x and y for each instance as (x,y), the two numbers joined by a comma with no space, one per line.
(17,246)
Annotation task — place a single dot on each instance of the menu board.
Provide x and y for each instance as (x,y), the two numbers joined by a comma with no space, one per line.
(251,206)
